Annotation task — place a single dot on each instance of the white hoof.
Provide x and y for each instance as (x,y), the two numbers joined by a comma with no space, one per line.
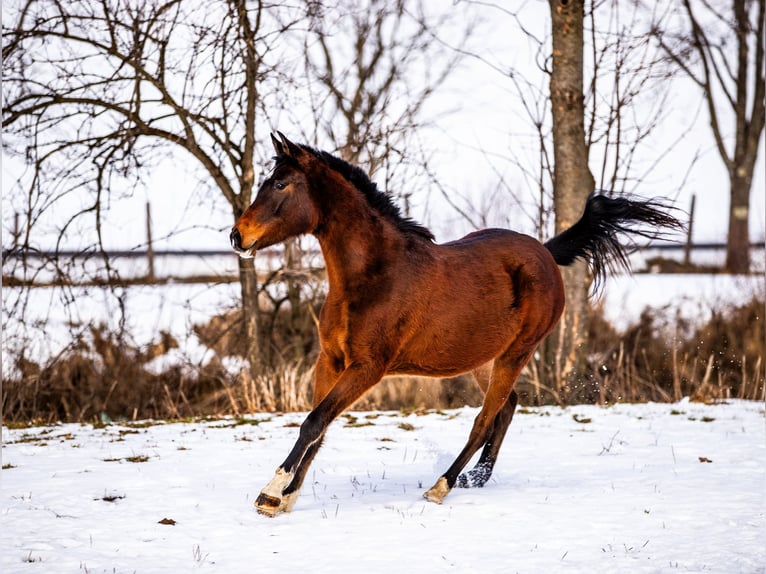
(438,491)
(271,501)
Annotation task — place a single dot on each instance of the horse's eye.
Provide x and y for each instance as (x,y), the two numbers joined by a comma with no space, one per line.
(280,185)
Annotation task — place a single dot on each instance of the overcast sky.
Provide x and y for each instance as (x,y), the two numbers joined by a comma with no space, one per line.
(473,150)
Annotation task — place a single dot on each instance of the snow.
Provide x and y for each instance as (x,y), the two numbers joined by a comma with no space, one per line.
(46,326)
(625,488)
(687,298)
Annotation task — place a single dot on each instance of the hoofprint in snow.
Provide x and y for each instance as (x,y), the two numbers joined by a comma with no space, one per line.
(627,488)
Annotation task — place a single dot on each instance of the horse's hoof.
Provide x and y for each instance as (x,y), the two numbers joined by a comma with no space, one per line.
(271,501)
(438,491)
(475,478)
(271,505)
(268,505)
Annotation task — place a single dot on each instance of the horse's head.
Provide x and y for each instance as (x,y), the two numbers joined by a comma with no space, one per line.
(283,206)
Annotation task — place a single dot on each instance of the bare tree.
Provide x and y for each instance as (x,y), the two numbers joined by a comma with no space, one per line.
(732,80)
(572,179)
(372,67)
(95,90)
(627,97)
(592,126)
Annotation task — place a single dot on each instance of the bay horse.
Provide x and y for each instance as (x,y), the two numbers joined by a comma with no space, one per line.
(398,303)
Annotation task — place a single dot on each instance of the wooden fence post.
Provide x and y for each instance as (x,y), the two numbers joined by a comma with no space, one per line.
(688,246)
(149,246)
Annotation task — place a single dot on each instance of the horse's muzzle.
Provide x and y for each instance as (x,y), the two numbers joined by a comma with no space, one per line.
(236,239)
(236,243)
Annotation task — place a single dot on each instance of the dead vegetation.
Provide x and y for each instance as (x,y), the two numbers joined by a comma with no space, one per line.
(657,360)
(103,377)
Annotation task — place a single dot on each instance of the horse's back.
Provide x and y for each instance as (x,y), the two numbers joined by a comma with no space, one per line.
(502,248)
(481,293)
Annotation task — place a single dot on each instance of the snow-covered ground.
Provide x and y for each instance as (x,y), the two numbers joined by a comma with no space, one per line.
(627,488)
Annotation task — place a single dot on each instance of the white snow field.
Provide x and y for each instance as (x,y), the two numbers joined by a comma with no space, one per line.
(626,488)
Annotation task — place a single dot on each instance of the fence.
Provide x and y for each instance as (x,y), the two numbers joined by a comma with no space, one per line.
(149,266)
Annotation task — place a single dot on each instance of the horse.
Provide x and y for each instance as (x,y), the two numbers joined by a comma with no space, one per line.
(399,303)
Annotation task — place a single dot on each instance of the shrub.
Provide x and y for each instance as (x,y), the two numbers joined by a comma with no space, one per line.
(102,376)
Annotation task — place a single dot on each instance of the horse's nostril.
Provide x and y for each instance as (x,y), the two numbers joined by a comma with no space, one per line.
(236,239)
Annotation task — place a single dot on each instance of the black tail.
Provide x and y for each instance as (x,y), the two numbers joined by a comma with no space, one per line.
(595,236)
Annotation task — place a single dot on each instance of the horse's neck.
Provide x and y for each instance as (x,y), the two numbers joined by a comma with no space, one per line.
(352,242)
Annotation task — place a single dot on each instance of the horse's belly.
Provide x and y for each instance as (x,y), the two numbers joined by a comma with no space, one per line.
(450,346)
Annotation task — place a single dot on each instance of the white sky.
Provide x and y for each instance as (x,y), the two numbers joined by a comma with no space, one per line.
(471,147)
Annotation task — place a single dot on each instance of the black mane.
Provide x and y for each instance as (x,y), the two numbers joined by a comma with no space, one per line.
(378,200)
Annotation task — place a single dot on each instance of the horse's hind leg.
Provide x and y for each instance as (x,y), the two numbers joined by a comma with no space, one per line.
(480,474)
(505,371)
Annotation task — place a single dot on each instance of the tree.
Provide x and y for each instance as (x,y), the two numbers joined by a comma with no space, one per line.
(372,67)
(572,179)
(591,112)
(94,91)
(732,81)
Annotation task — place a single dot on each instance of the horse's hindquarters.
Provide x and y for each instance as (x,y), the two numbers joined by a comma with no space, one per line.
(484,297)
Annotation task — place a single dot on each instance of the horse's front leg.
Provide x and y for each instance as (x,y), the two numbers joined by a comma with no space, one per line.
(280,494)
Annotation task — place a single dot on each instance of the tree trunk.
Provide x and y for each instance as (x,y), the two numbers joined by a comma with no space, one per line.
(738,239)
(293,266)
(573,183)
(747,136)
(248,281)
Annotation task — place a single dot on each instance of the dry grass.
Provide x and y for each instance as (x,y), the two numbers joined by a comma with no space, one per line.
(102,377)
(408,393)
(652,361)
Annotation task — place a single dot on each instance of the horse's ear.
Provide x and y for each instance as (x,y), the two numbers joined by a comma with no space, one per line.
(277,145)
(289,148)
